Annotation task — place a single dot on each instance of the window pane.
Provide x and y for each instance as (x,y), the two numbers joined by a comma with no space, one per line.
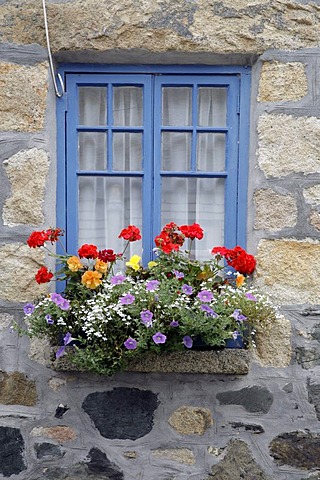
(211,149)
(92,105)
(92,150)
(106,206)
(176,106)
(189,200)
(127,151)
(176,148)
(212,107)
(127,106)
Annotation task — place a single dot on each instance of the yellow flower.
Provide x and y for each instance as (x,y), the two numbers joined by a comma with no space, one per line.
(74,264)
(91,279)
(101,266)
(152,264)
(134,262)
(240,280)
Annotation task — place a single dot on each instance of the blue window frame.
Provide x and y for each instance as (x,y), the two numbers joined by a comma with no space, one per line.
(156,168)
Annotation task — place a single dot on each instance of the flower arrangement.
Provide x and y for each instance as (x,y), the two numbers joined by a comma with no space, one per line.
(109,313)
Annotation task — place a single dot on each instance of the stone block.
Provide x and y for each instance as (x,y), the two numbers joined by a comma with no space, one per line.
(180,455)
(23,96)
(60,433)
(17,389)
(27,172)
(288,145)
(312,195)
(254,399)
(189,420)
(282,82)
(19,264)
(274,211)
(285,270)
(298,449)
(11,452)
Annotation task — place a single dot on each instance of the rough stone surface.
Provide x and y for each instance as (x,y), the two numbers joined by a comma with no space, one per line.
(132,412)
(255,399)
(238,464)
(59,433)
(315,219)
(98,467)
(297,449)
(307,357)
(11,451)
(40,350)
(284,146)
(314,397)
(189,420)
(27,172)
(180,455)
(248,427)
(312,195)
(15,257)
(221,27)
(277,274)
(282,82)
(227,361)
(56,383)
(5,320)
(47,450)
(274,211)
(23,96)
(16,389)
(273,343)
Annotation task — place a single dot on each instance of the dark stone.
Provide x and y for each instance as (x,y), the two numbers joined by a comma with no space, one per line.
(308,358)
(297,449)
(99,467)
(254,399)
(238,464)
(316,332)
(11,451)
(248,427)
(124,413)
(47,450)
(288,388)
(61,410)
(314,397)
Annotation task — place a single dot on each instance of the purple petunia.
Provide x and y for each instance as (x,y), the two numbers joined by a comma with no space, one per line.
(130,344)
(60,301)
(159,338)
(152,285)
(251,297)
(205,296)
(208,310)
(127,299)
(178,274)
(28,308)
(237,315)
(187,289)
(66,340)
(146,317)
(187,341)
(174,323)
(49,319)
(117,279)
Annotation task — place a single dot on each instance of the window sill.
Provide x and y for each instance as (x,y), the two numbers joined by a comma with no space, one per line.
(227,361)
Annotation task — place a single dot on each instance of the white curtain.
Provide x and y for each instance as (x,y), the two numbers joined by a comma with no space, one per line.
(109,204)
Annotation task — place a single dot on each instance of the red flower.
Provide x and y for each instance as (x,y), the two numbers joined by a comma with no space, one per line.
(241,261)
(163,241)
(131,233)
(107,255)
(88,251)
(220,251)
(43,275)
(192,231)
(54,234)
(37,239)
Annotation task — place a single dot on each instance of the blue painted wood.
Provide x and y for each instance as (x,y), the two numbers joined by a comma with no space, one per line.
(235,79)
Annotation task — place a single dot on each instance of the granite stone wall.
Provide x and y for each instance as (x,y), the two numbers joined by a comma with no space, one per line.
(258,420)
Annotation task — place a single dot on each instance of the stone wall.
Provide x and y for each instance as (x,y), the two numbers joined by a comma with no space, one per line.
(168,426)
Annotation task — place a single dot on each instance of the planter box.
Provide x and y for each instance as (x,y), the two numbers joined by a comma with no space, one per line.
(228,361)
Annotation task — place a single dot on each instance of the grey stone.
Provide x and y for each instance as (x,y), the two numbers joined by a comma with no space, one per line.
(255,399)
(11,451)
(248,427)
(297,449)
(308,357)
(314,397)
(124,413)
(47,450)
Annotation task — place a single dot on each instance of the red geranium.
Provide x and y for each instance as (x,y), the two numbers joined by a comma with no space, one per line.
(241,261)
(163,241)
(37,239)
(131,233)
(43,275)
(220,251)
(88,251)
(107,255)
(54,234)
(192,231)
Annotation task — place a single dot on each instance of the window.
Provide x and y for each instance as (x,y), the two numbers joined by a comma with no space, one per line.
(151,145)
